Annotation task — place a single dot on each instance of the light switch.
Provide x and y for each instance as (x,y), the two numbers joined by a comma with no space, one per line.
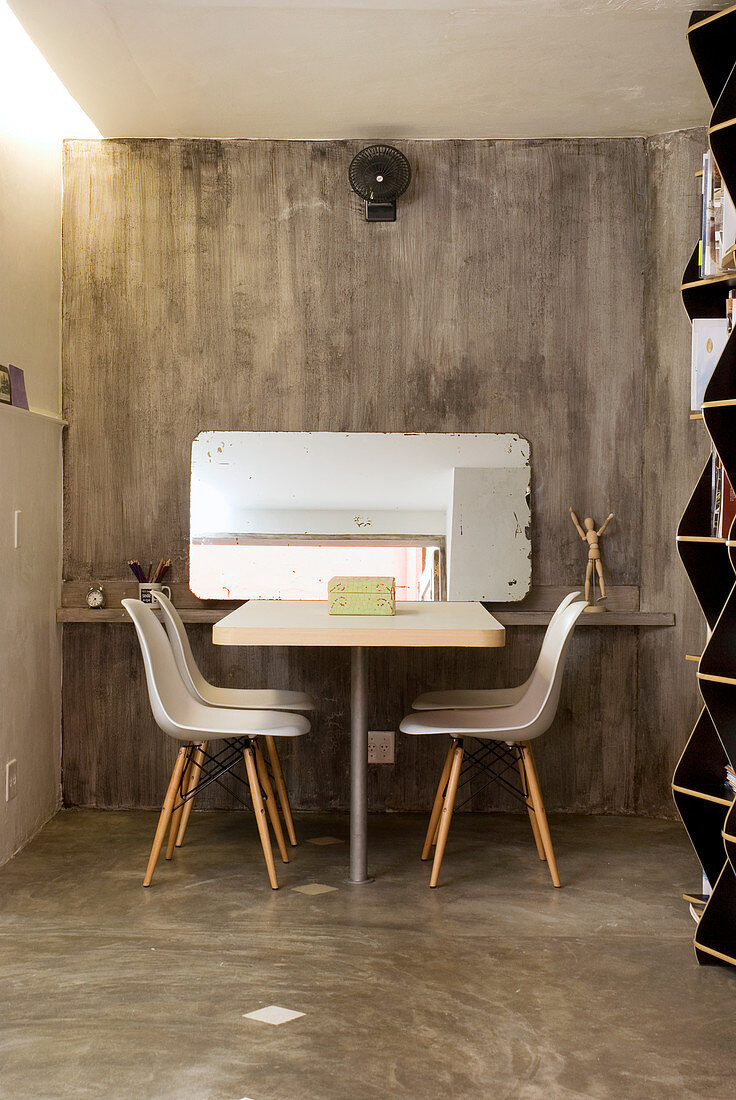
(16,529)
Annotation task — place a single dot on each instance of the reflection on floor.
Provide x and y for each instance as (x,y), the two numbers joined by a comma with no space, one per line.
(495,985)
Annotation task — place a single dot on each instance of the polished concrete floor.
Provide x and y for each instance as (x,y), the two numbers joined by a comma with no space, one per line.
(494,986)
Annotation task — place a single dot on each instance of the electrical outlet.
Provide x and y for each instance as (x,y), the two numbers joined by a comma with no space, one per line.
(380,747)
(11,779)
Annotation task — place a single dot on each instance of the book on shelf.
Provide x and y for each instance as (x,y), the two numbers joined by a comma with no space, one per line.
(730,780)
(728,505)
(716,492)
(709,339)
(717,251)
(723,499)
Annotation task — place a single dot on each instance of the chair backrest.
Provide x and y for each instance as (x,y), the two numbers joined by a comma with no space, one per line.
(185,662)
(537,709)
(166,689)
(549,640)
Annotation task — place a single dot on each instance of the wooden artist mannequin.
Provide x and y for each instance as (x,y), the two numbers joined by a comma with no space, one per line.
(591,536)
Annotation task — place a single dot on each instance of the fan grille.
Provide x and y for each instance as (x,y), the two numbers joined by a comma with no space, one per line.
(379,173)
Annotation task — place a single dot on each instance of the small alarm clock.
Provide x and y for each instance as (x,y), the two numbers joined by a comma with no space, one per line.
(96,596)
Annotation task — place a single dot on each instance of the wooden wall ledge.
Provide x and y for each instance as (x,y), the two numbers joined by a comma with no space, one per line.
(535,610)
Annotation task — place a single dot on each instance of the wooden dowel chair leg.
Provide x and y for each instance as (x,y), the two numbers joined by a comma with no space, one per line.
(260,814)
(532,816)
(194,773)
(271,807)
(431,837)
(447,808)
(165,816)
(176,814)
(536,800)
(278,778)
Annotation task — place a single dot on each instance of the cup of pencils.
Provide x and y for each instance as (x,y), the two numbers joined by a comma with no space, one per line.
(151,581)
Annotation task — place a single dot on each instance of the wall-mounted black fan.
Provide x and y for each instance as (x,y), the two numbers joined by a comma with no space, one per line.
(379,174)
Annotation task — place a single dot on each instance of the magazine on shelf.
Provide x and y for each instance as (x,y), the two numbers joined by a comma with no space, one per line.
(728,505)
(716,493)
(709,339)
(717,253)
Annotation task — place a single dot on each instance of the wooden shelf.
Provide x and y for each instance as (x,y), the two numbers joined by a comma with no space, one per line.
(711,280)
(535,610)
(703,538)
(721,126)
(722,955)
(506,618)
(706,796)
(120,615)
(717,679)
(700,23)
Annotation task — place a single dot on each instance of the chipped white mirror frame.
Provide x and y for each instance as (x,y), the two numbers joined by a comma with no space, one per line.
(469,492)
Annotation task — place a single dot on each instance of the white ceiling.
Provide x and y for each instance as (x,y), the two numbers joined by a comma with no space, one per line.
(372,68)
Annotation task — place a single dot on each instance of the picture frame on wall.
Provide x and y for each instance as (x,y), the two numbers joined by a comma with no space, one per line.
(5,397)
(18,395)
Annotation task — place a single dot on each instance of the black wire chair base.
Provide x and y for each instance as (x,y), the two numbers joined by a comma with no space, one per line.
(213,766)
(495,759)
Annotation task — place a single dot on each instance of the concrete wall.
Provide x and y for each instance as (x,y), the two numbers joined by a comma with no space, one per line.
(30,480)
(236,285)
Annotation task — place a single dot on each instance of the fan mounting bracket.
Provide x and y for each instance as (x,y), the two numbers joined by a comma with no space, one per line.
(380,211)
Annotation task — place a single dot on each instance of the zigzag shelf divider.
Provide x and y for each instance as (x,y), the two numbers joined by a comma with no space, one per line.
(707,807)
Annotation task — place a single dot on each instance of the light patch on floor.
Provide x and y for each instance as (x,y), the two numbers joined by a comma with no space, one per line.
(315,888)
(273,1014)
(324,840)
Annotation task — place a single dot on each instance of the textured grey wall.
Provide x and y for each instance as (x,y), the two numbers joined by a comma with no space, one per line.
(674,451)
(236,285)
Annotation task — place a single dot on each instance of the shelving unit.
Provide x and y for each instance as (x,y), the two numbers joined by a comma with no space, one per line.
(703,800)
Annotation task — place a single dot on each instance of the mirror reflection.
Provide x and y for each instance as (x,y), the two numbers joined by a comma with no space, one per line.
(274,515)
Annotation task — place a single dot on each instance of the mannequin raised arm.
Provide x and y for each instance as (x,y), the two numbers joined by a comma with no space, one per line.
(576,521)
(602,529)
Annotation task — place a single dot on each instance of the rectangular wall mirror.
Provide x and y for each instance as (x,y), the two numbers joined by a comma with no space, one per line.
(274,515)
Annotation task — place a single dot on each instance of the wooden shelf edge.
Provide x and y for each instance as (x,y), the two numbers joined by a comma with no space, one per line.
(710,280)
(716,679)
(696,899)
(717,954)
(721,126)
(719,404)
(703,538)
(702,795)
(710,19)
(119,615)
(506,618)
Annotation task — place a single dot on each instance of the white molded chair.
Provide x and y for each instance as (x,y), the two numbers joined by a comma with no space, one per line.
(505,734)
(194,725)
(234,698)
(463,699)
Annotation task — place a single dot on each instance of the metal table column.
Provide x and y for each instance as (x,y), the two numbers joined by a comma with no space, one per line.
(358,767)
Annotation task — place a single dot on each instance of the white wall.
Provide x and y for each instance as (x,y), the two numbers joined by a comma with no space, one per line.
(30,480)
(35,114)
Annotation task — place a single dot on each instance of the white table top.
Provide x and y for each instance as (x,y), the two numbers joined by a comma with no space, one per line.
(308,622)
